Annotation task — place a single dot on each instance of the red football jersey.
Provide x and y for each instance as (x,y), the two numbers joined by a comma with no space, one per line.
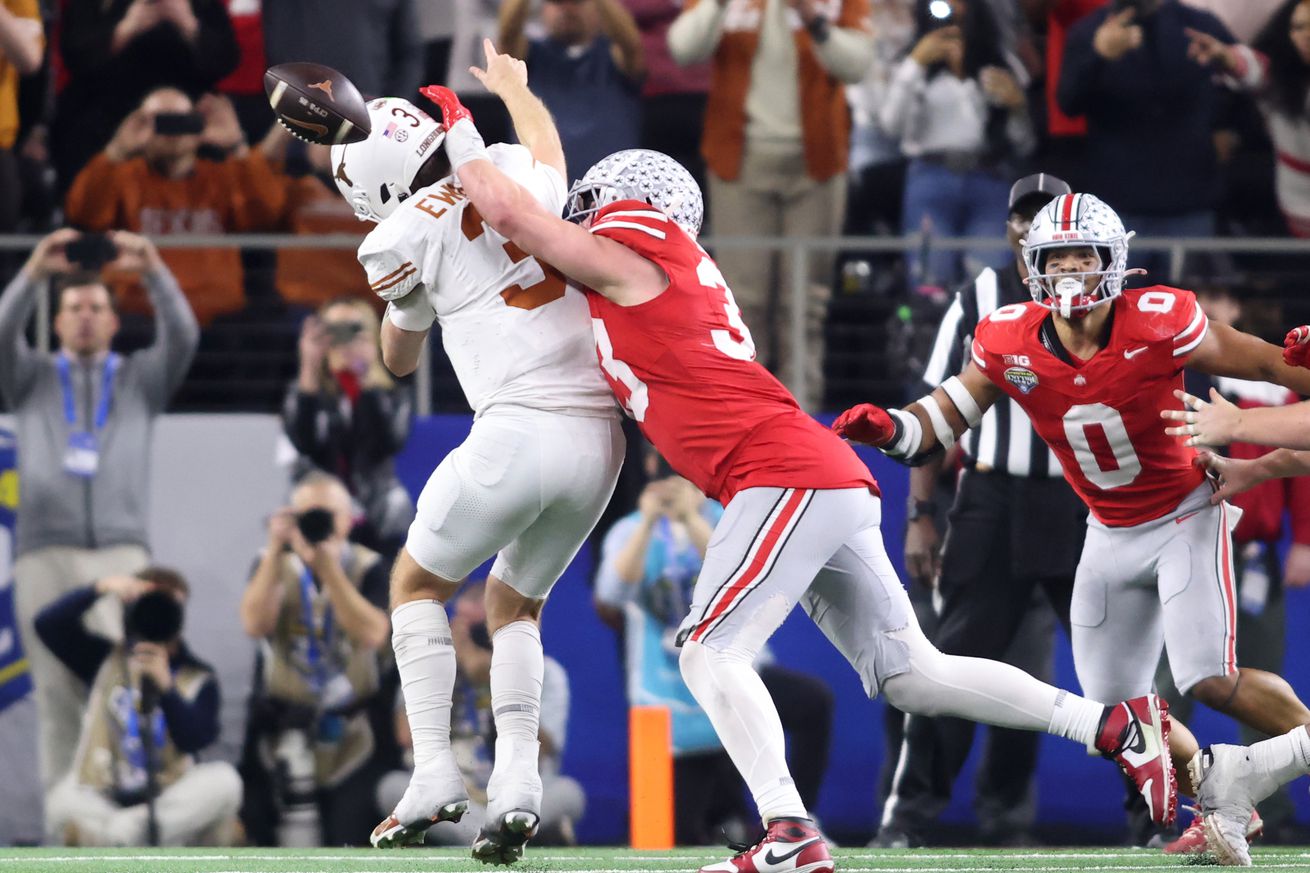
(683,365)
(1102,417)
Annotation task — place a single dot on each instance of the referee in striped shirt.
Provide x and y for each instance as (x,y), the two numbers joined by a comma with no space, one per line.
(1016,527)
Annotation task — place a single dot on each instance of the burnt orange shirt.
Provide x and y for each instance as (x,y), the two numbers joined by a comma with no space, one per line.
(9,76)
(312,277)
(232,196)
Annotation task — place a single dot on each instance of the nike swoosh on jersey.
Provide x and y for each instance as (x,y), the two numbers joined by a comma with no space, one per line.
(1182,518)
(1129,354)
(770,858)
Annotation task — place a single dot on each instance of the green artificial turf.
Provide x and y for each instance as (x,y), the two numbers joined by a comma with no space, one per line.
(590,860)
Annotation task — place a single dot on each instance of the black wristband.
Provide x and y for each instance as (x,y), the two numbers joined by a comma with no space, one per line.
(917,509)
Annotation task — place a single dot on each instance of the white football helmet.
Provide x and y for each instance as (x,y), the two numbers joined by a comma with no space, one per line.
(1074,220)
(640,174)
(377,175)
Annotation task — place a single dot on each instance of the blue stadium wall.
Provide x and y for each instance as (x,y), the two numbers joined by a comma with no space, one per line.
(1074,788)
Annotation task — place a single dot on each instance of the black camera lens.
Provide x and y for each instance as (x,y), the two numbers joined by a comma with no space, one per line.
(316,525)
(155,617)
(341,332)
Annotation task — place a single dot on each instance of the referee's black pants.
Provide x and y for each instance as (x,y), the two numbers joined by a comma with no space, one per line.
(1010,540)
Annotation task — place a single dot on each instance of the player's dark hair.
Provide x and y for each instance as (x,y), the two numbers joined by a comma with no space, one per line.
(165,579)
(434,169)
(1289,75)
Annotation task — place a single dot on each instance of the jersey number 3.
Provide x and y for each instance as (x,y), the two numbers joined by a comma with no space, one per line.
(549,288)
(735,342)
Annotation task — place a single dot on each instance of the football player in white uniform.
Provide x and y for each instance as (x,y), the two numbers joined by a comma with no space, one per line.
(532,478)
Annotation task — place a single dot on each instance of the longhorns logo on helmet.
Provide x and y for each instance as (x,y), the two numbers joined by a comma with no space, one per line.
(1074,221)
(640,174)
(377,175)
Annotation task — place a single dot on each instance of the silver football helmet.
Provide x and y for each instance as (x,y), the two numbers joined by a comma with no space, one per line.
(639,174)
(1074,220)
(377,175)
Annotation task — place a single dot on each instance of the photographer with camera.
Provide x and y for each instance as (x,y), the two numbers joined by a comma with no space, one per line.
(84,417)
(316,602)
(346,415)
(153,706)
(177,166)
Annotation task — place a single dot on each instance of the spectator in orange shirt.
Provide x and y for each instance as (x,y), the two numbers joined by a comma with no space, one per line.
(21,42)
(113,53)
(151,179)
(313,277)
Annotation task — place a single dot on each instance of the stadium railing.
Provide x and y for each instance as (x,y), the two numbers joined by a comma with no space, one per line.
(799,249)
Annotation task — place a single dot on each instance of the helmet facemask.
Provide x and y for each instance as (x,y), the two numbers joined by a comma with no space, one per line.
(586,199)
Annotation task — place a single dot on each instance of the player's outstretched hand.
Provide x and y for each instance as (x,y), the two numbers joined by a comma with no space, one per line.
(503,72)
(452,111)
(1204,424)
(866,424)
(1296,347)
(1232,476)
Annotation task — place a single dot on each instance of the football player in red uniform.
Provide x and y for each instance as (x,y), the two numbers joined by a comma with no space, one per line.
(802,512)
(1092,365)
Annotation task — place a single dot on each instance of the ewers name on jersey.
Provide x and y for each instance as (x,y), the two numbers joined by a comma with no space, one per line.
(515,331)
(1102,417)
(683,365)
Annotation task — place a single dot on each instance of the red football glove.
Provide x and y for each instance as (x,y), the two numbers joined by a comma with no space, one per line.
(866,424)
(1296,347)
(452,111)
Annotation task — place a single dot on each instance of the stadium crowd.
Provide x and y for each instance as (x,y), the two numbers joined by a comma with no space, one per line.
(899,117)
(133,120)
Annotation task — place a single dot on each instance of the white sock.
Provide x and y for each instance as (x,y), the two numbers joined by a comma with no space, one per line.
(1281,759)
(987,691)
(1076,718)
(744,717)
(425,657)
(517,665)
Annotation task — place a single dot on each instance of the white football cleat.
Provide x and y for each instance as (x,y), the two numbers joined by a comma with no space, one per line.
(435,794)
(513,803)
(501,840)
(1227,788)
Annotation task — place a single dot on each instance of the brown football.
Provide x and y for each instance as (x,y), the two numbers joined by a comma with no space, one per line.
(316,103)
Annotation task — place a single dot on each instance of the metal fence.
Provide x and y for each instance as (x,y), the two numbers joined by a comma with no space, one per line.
(799,250)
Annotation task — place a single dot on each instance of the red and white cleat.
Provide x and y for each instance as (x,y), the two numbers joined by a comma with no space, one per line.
(791,845)
(1135,734)
(1192,840)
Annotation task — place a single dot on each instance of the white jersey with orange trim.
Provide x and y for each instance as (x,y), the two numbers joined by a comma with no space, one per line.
(515,331)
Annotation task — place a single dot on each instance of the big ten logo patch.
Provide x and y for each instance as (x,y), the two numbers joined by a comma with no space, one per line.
(1016,361)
